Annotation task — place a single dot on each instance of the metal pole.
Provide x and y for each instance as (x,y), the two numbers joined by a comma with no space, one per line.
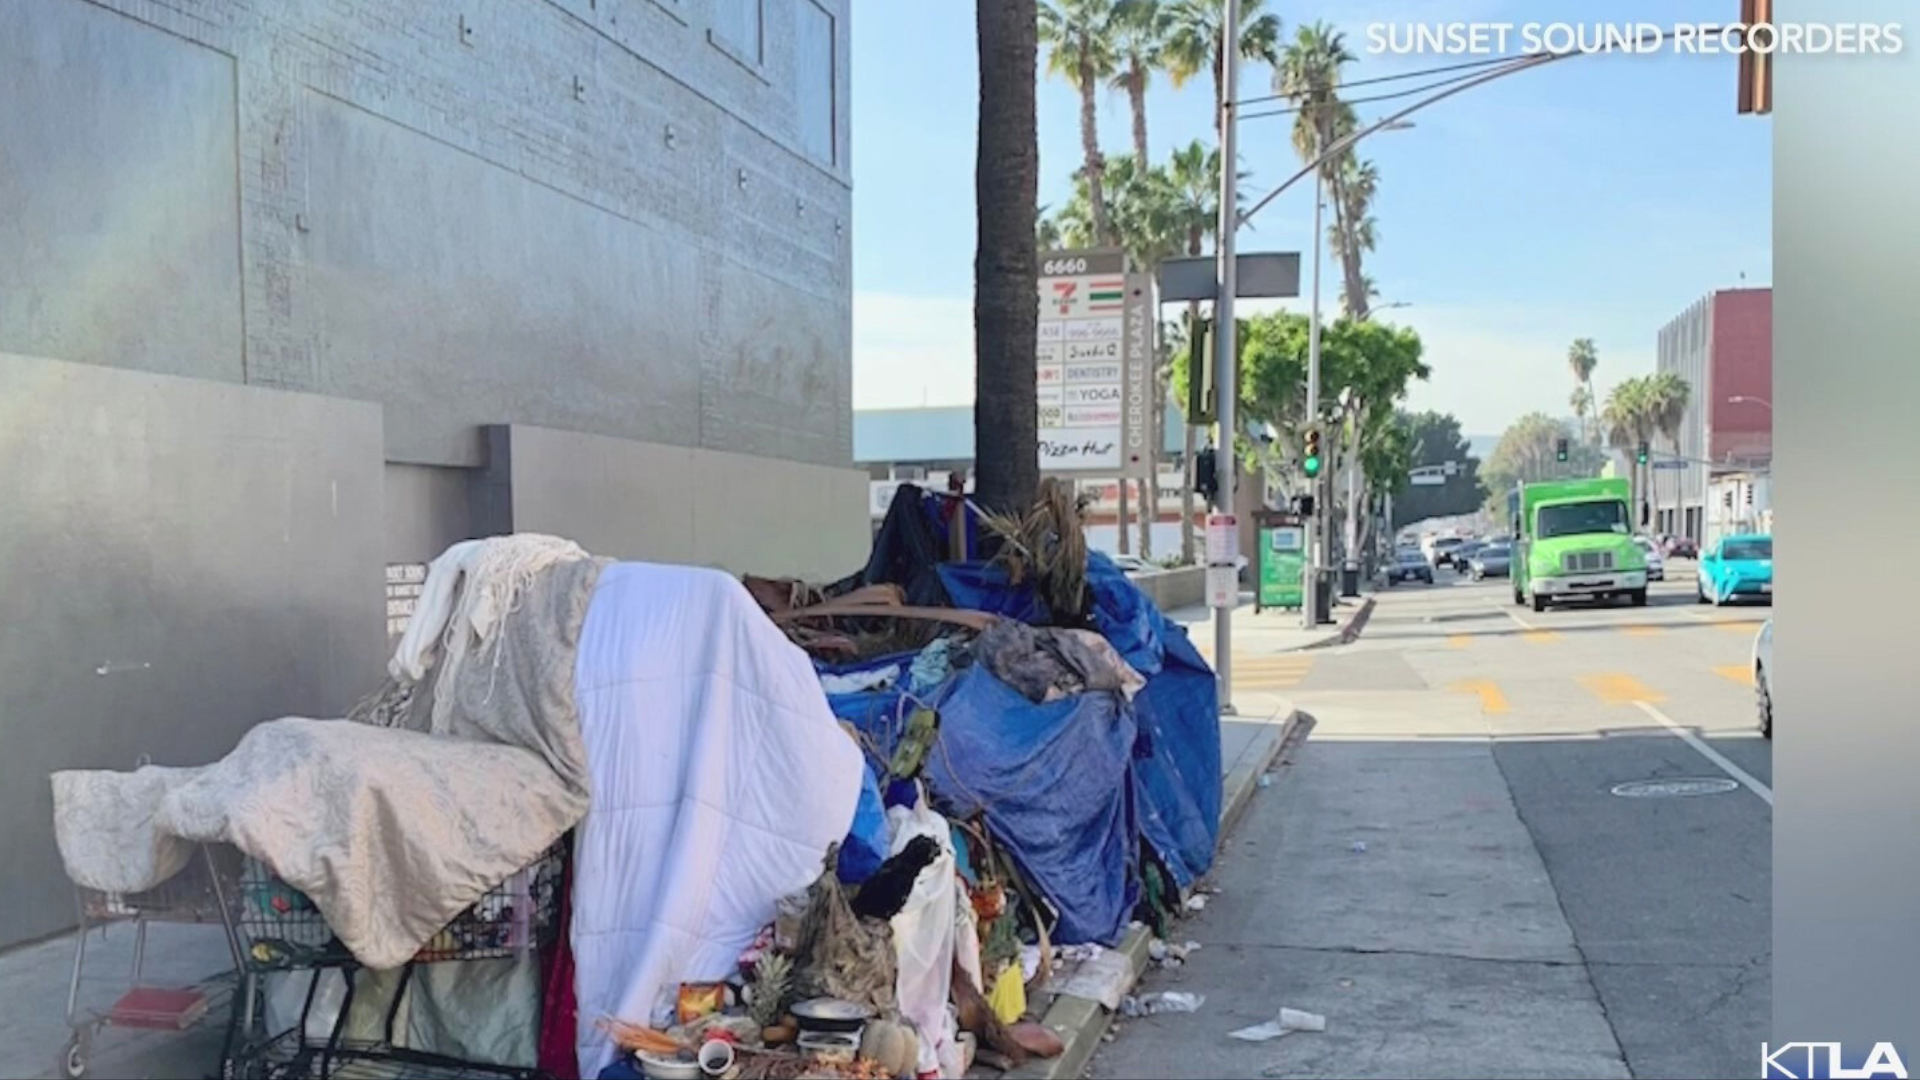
(1316,550)
(1227,378)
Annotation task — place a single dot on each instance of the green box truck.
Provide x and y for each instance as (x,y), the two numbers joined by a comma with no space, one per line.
(1574,538)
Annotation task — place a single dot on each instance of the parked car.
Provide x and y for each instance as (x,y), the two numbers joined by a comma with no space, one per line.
(1494,560)
(1763,677)
(1680,547)
(1132,564)
(1656,566)
(1409,564)
(1736,568)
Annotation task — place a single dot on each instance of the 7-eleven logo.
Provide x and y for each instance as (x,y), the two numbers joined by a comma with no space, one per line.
(1063,293)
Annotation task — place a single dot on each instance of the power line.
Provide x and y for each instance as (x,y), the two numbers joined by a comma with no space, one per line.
(1421,89)
(1421,73)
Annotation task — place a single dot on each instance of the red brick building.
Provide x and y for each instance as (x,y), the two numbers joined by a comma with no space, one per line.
(1723,346)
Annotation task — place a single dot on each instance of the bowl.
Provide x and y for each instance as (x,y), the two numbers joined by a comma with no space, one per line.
(659,1068)
(831,1015)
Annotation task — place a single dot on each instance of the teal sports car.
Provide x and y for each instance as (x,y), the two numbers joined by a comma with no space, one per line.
(1736,568)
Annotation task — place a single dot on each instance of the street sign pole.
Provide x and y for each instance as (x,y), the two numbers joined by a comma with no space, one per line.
(1228,379)
(1317,550)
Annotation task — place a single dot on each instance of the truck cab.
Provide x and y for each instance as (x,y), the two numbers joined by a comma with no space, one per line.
(1573,539)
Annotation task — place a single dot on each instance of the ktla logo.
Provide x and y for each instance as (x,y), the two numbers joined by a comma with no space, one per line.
(1818,1060)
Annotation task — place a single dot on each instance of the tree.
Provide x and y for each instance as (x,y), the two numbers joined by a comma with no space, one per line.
(1006,274)
(1582,358)
(1079,35)
(1139,42)
(1309,75)
(1046,231)
(1432,439)
(1193,42)
(1528,452)
(1629,421)
(1667,394)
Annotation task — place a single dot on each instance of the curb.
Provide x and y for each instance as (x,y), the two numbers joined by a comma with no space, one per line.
(1080,1022)
(1347,634)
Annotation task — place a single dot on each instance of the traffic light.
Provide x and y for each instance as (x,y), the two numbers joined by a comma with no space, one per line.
(1303,505)
(1560,451)
(1205,480)
(1749,489)
(1640,453)
(1310,461)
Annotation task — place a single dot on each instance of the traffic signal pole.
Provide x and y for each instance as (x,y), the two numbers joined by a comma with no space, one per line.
(1316,548)
(1226,334)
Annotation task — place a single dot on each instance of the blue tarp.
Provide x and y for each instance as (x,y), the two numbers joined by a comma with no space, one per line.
(867,839)
(1052,780)
(1176,777)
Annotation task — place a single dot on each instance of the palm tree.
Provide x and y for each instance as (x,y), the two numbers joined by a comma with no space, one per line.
(1629,422)
(1666,403)
(1047,235)
(1139,39)
(1193,42)
(1581,401)
(1006,273)
(1582,357)
(1309,75)
(1079,35)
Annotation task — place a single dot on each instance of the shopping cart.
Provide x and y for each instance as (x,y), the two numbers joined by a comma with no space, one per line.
(280,935)
(192,896)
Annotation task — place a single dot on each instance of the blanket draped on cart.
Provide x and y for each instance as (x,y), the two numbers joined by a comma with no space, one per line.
(391,829)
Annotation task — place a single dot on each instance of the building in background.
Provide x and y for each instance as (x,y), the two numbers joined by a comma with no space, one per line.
(294,295)
(1723,346)
(925,445)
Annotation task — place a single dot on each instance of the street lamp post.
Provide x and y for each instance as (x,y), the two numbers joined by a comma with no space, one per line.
(1228,381)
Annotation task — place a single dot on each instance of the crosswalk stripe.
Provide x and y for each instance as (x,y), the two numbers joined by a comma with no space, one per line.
(1739,673)
(1617,689)
(1492,701)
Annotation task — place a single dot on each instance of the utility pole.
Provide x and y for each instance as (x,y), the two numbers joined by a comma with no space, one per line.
(1317,548)
(1227,383)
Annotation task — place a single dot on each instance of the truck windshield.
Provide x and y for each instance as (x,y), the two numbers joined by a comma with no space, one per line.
(1573,519)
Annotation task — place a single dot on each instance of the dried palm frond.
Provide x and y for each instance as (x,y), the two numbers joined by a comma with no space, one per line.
(1048,545)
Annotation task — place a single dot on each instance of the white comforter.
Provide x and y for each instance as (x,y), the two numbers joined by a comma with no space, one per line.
(719,780)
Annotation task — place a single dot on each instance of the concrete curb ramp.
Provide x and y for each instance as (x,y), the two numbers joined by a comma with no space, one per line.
(1079,1022)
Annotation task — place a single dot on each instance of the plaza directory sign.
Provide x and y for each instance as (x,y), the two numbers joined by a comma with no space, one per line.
(1095,350)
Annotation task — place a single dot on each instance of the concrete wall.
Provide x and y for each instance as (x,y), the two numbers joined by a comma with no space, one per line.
(626,217)
(179,559)
(677,504)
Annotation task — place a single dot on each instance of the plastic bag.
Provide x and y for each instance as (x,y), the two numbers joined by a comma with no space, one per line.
(923,940)
(1009,996)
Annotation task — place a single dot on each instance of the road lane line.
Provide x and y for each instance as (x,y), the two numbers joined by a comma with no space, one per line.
(1642,631)
(1739,673)
(1745,778)
(1524,624)
(1617,689)
(1738,626)
(1492,701)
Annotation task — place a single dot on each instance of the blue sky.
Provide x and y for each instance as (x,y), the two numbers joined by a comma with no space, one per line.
(1595,197)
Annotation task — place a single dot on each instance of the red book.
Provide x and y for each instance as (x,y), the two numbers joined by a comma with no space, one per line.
(159,1008)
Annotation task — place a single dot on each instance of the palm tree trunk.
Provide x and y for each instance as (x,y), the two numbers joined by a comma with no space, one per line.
(1095,167)
(1005,266)
(1137,100)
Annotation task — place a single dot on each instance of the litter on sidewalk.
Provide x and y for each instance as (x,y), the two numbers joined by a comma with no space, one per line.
(930,793)
(1288,1022)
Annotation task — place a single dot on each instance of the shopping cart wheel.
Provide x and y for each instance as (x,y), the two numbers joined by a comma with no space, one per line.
(73,1062)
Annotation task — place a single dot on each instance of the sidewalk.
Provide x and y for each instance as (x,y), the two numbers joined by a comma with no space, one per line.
(1391,887)
(1276,630)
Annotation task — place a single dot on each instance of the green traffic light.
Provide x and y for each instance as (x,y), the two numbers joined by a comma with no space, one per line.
(1312,466)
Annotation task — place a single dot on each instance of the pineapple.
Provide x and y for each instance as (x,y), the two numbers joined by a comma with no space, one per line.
(772,977)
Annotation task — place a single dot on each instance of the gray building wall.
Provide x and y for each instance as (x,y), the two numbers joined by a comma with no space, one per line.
(622,222)
(1685,348)
(179,559)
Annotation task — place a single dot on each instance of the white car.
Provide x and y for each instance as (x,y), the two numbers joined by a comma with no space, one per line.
(1656,566)
(1132,564)
(1763,677)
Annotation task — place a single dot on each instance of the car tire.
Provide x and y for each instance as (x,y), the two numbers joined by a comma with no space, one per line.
(1539,603)
(1639,597)
(1763,701)
(1699,592)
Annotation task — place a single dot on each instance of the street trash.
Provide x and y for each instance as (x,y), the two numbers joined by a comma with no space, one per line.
(1009,995)
(1288,1022)
(1029,961)
(1104,979)
(1080,953)
(1170,1001)
(1197,902)
(1266,780)
(1359,847)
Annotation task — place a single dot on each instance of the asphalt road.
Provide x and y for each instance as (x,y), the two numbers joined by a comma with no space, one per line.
(1446,871)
